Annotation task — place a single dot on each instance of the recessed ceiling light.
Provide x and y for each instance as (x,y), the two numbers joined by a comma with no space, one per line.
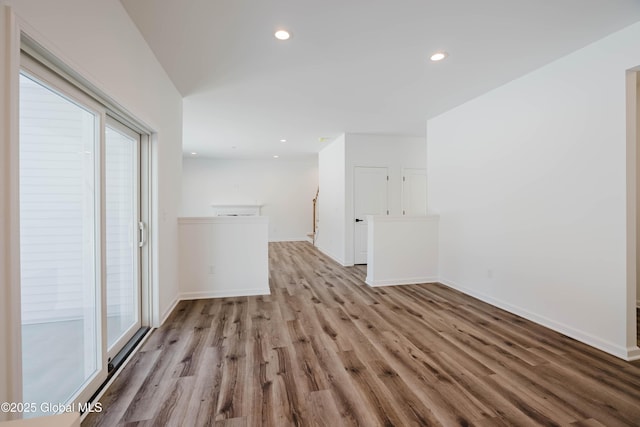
(193,153)
(282,35)
(438,56)
(275,156)
(283,140)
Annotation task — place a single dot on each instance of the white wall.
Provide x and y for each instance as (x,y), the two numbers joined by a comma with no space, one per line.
(223,257)
(529,181)
(393,152)
(98,40)
(331,200)
(395,256)
(285,187)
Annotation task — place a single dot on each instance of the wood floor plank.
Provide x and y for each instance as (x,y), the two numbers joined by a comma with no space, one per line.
(324,349)
(232,422)
(412,366)
(232,390)
(119,396)
(306,360)
(145,404)
(339,340)
(379,402)
(348,398)
(414,409)
(588,423)
(175,402)
(292,405)
(323,410)
(202,406)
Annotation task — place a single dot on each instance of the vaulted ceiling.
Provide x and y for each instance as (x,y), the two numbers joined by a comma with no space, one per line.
(357,66)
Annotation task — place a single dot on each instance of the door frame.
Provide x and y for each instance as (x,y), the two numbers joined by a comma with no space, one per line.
(632,95)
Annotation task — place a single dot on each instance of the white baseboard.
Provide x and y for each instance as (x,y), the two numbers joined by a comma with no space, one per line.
(397,282)
(633,354)
(608,347)
(336,259)
(290,239)
(168,311)
(224,294)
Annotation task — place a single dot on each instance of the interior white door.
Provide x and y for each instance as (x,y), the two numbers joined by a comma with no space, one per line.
(369,198)
(414,191)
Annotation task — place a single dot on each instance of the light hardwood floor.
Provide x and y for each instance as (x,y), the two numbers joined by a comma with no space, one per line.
(324,349)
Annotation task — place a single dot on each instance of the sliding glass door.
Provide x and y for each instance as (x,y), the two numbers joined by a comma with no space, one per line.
(124,234)
(59,243)
(80,239)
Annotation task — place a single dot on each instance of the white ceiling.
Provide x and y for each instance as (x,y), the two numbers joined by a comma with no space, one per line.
(356,66)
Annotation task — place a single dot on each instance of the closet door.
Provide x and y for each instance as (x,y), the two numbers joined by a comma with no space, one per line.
(370,197)
(414,192)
